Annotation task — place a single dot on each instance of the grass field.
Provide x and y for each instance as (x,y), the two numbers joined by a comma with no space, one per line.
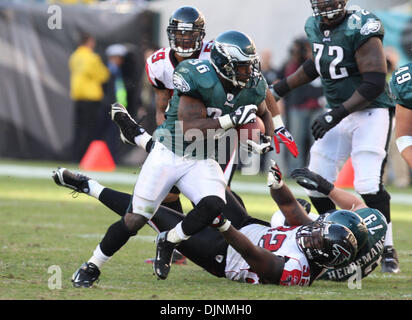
(41,225)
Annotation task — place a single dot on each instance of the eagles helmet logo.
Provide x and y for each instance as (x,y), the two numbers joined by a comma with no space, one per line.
(180,84)
(371,26)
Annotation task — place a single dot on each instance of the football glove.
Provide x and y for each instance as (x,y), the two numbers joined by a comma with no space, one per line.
(312,181)
(284,136)
(327,121)
(221,223)
(239,117)
(274,180)
(261,147)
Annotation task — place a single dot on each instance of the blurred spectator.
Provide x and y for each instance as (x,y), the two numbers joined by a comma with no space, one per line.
(147,99)
(88,73)
(302,105)
(114,91)
(397,170)
(268,71)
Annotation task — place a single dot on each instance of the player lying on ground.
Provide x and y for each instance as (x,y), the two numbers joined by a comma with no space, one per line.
(370,244)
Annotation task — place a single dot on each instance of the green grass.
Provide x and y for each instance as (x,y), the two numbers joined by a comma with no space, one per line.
(41,225)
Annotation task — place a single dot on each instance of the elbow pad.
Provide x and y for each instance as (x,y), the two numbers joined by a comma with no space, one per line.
(373,84)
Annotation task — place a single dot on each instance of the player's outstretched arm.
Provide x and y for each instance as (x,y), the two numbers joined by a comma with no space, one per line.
(268,266)
(281,134)
(293,211)
(403,130)
(312,181)
(306,73)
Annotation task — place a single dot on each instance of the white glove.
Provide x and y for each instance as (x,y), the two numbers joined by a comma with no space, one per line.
(274,176)
(239,117)
(261,147)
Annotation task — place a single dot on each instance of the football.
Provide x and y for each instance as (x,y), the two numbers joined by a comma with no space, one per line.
(251,130)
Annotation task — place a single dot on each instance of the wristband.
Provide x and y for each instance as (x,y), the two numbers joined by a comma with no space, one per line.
(282,88)
(403,142)
(225,122)
(277,121)
(224,226)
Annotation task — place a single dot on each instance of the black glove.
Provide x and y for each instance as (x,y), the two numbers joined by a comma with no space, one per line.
(312,181)
(327,121)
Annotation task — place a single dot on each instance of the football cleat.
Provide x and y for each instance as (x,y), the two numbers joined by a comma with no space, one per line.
(129,129)
(75,181)
(164,252)
(177,258)
(86,275)
(390,261)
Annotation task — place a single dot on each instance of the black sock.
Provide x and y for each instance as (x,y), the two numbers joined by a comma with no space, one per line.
(116,237)
(115,200)
(322,205)
(174,205)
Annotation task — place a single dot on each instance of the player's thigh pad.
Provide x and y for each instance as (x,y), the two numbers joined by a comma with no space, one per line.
(159,173)
(205,178)
(369,143)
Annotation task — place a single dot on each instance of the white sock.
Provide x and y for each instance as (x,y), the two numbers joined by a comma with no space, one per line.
(389,238)
(176,234)
(99,258)
(95,188)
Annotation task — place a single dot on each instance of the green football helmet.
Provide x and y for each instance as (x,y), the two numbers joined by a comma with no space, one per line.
(235,59)
(352,221)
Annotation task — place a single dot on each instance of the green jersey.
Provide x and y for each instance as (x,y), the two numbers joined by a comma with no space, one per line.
(400,86)
(334,55)
(198,79)
(369,256)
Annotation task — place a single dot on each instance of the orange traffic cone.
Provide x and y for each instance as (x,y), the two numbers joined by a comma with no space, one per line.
(97,157)
(346,176)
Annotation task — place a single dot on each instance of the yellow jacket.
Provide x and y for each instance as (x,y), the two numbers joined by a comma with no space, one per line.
(88,73)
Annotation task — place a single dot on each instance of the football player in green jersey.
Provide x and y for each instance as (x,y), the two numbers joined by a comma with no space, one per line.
(224,94)
(348,56)
(368,225)
(401,90)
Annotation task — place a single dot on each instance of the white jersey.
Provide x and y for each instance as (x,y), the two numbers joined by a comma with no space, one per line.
(161,64)
(281,241)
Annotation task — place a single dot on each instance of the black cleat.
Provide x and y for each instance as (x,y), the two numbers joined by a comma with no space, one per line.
(129,129)
(177,258)
(86,275)
(390,262)
(164,253)
(76,181)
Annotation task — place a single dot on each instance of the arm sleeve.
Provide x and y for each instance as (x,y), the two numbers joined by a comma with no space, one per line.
(369,26)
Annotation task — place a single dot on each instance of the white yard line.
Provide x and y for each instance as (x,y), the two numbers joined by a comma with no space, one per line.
(20,171)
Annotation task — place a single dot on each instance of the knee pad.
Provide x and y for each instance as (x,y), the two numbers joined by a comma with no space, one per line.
(202,215)
(210,207)
(379,201)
